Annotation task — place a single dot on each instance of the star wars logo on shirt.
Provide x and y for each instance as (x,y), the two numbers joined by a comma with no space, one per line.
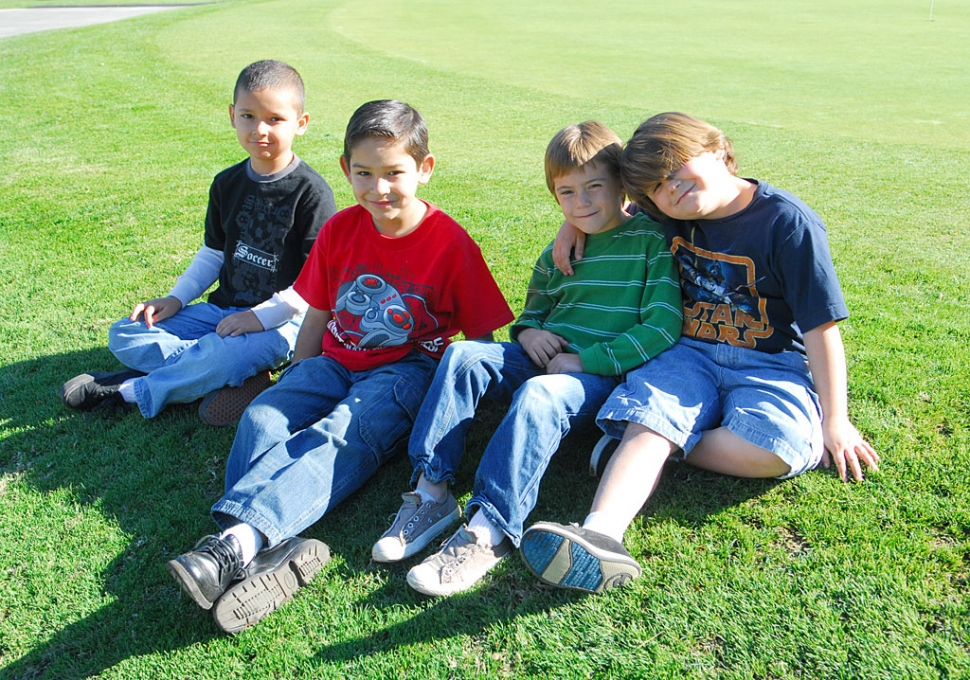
(371,313)
(721,301)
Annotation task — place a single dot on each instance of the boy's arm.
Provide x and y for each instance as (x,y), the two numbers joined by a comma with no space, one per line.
(201,273)
(540,345)
(283,306)
(843,443)
(661,319)
(569,239)
(309,342)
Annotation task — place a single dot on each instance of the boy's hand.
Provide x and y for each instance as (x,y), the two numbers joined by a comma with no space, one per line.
(156,310)
(239,324)
(845,446)
(568,240)
(565,363)
(541,346)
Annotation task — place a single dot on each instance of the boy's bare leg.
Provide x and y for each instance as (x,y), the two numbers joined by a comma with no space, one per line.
(629,480)
(723,451)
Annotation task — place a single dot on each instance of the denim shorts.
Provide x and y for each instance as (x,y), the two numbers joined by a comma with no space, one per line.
(766,399)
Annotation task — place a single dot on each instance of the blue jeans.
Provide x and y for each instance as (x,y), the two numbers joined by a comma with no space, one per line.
(543,409)
(314,438)
(185,358)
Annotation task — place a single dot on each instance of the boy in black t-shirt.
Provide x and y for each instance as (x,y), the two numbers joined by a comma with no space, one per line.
(263,216)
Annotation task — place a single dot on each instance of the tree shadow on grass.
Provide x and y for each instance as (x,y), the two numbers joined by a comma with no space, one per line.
(155,480)
(151,480)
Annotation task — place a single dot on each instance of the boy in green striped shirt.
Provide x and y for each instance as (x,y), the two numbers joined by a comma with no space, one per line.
(573,343)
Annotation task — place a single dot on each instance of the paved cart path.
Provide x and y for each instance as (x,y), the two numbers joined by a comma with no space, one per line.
(33,19)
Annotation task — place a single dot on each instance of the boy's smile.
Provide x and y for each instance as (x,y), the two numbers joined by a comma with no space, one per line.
(591,198)
(385,178)
(266,122)
(702,188)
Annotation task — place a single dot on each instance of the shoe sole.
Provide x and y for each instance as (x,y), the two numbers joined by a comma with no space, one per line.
(565,560)
(421,542)
(250,600)
(224,407)
(188,584)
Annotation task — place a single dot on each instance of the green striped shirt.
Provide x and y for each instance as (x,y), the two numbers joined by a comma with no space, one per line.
(622,305)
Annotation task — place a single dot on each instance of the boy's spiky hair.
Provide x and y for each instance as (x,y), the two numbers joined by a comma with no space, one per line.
(270,74)
(660,147)
(391,120)
(576,145)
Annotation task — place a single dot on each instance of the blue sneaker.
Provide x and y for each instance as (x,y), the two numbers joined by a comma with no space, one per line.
(576,558)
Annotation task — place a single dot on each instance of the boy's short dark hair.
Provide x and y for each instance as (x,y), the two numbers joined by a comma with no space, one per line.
(270,74)
(661,145)
(391,120)
(577,145)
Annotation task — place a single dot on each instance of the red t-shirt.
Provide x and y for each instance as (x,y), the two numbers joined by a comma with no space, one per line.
(391,295)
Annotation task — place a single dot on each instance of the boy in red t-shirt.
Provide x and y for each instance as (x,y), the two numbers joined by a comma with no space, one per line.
(388,282)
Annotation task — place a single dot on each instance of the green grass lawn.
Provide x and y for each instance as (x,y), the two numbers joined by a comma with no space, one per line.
(112,135)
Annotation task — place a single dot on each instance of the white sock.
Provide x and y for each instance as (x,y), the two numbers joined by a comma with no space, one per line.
(606,524)
(127,390)
(249,539)
(431,492)
(483,529)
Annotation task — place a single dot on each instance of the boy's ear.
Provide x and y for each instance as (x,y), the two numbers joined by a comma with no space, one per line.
(425,169)
(345,167)
(232,115)
(301,124)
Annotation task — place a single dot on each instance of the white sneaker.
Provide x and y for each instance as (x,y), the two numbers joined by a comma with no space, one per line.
(460,564)
(416,525)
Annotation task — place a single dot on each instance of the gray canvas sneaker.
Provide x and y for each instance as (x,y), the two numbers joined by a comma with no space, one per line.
(461,563)
(416,525)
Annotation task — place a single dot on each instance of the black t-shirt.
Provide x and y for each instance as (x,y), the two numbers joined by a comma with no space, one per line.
(264,225)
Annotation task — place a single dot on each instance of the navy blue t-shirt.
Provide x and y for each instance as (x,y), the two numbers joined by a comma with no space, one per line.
(758,278)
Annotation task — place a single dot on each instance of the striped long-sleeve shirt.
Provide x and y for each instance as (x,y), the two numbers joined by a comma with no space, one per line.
(621,307)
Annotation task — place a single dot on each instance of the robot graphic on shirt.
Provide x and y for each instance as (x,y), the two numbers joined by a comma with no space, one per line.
(375,314)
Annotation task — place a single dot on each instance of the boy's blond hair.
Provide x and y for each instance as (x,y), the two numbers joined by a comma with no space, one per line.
(661,146)
(577,145)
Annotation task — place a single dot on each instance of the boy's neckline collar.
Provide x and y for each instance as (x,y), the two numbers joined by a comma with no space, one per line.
(272,177)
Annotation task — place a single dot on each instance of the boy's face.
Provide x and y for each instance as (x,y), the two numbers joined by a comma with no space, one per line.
(266,121)
(591,198)
(700,189)
(385,179)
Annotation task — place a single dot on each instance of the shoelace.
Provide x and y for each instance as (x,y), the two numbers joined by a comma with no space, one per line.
(223,553)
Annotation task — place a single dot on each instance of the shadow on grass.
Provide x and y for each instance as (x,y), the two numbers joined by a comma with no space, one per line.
(147,478)
(155,480)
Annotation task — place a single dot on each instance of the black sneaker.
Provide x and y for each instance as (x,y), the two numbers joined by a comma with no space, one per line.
(269,582)
(576,558)
(602,452)
(205,572)
(88,390)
